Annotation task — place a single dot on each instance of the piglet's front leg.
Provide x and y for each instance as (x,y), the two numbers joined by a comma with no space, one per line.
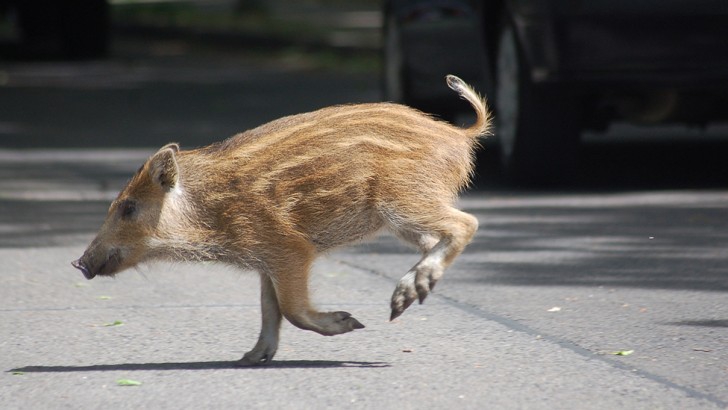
(291,279)
(267,345)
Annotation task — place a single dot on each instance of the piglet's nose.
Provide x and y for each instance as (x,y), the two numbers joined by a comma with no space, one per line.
(78,264)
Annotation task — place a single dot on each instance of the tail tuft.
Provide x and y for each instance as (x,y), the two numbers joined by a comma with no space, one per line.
(483,122)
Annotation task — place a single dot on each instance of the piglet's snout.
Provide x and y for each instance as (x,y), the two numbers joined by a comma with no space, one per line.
(80,265)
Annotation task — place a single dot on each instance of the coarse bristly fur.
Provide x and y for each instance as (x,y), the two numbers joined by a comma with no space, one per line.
(273,198)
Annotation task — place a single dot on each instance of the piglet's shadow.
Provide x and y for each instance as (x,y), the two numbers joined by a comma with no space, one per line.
(281,364)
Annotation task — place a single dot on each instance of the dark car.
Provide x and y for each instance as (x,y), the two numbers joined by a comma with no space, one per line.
(75,29)
(552,69)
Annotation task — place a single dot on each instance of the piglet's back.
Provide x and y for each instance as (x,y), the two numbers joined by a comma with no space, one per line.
(349,143)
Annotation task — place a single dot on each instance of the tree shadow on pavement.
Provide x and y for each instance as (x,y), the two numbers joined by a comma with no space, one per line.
(44,204)
(657,241)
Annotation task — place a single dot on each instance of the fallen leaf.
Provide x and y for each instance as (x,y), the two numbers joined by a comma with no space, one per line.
(18,373)
(103,297)
(114,323)
(128,382)
(406,350)
(623,352)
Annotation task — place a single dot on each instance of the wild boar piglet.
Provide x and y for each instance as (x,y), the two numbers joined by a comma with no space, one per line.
(273,198)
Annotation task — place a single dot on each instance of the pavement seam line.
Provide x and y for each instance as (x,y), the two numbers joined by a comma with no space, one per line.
(563,343)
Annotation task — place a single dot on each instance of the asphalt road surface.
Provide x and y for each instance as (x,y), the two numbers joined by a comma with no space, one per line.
(631,260)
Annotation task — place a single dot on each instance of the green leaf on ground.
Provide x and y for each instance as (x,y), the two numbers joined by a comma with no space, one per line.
(18,373)
(128,382)
(103,297)
(114,323)
(623,352)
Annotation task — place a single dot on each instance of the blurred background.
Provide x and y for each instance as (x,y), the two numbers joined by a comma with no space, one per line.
(583,92)
(191,71)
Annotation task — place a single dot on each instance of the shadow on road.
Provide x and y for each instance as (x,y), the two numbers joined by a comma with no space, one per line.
(211,365)
(701,323)
(44,202)
(639,239)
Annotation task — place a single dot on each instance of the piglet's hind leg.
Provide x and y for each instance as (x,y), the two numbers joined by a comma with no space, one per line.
(456,229)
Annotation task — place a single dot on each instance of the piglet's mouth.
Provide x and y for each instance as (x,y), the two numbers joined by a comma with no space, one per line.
(91,269)
(78,264)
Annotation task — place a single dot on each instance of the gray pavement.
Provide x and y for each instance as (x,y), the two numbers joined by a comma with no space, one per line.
(530,316)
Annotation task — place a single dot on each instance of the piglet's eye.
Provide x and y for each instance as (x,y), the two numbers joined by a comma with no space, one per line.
(127,209)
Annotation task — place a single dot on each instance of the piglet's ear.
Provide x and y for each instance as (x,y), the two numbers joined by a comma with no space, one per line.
(172,145)
(163,167)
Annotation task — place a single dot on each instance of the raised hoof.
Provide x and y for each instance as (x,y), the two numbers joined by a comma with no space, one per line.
(403,296)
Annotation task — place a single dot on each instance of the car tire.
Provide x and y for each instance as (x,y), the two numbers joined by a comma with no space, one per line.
(536,126)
